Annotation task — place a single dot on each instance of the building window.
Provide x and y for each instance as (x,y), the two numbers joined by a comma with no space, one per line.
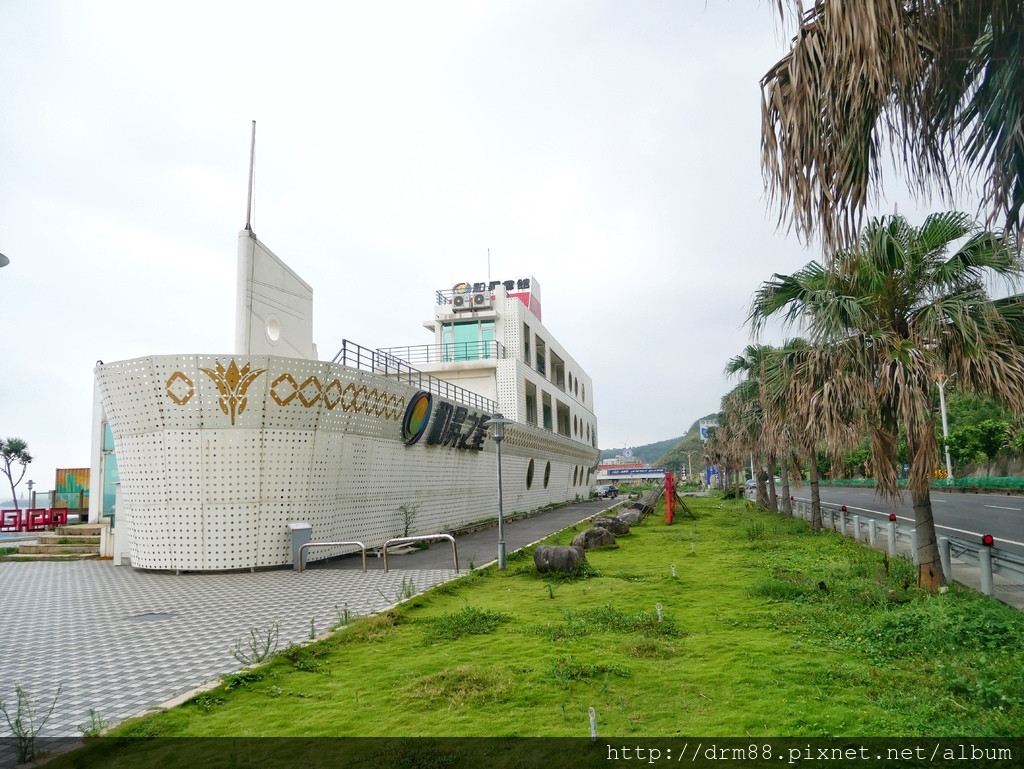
(575,470)
(562,415)
(575,426)
(472,340)
(557,371)
(529,475)
(531,402)
(542,356)
(547,473)
(546,404)
(526,344)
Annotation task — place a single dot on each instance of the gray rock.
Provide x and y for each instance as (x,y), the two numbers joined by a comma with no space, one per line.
(616,526)
(592,538)
(550,558)
(630,516)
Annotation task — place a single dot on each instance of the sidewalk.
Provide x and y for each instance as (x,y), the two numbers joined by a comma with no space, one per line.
(122,640)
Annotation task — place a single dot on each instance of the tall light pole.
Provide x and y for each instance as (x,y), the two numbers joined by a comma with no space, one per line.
(689,463)
(942,379)
(499,422)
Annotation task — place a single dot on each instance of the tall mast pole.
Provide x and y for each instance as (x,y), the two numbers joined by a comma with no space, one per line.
(252,160)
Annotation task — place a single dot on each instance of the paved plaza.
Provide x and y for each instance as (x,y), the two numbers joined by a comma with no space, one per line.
(123,640)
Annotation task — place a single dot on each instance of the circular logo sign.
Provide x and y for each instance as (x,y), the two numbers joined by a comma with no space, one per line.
(627,453)
(417,415)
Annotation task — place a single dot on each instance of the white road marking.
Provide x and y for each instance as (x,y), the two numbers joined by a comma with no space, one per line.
(997,507)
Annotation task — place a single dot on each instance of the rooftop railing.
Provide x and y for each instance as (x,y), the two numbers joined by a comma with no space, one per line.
(450,352)
(385,364)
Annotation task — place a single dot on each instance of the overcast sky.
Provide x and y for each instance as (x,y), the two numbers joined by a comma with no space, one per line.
(608,148)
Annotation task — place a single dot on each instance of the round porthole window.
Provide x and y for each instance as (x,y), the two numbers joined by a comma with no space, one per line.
(547,473)
(273,328)
(529,474)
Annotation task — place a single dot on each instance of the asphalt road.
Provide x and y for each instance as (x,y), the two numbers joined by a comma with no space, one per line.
(966,516)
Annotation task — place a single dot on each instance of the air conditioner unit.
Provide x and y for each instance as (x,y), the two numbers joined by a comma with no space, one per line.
(462,302)
(481,301)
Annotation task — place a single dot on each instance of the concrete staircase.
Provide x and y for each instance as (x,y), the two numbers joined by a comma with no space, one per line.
(69,543)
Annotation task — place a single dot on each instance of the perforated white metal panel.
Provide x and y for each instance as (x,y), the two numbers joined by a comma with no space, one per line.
(217,454)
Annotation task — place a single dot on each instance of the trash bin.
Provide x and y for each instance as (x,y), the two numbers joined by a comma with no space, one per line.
(302,532)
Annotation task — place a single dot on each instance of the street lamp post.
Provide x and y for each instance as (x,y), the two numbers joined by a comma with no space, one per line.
(942,379)
(689,463)
(499,422)
(30,484)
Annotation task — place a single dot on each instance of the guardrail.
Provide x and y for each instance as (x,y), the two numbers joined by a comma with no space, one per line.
(362,549)
(381,362)
(988,558)
(426,538)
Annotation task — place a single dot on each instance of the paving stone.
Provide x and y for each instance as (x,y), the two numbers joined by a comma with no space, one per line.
(121,640)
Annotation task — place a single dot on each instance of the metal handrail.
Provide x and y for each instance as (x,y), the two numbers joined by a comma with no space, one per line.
(381,362)
(362,549)
(448,352)
(425,538)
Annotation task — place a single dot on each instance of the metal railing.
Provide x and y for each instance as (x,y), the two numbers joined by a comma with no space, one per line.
(362,549)
(425,538)
(864,527)
(384,364)
(444,295)
(450,352)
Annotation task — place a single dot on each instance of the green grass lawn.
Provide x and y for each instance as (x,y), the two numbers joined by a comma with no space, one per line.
(766,629)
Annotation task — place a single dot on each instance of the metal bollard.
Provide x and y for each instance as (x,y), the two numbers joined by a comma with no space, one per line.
(856,527)
(892,539)
(873,533)
(947,562)
(913,546)
(985,562)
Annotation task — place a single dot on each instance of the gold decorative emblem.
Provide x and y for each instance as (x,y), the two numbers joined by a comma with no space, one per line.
(291,383)
(314,394)
(332,394)
(232,384)
(179,383)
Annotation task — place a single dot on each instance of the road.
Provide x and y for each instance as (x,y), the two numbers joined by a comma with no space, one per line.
(966,516)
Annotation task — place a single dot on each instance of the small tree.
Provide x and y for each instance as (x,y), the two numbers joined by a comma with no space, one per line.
(14,451)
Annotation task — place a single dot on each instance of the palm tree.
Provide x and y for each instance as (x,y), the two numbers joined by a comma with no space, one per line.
(896,311)
(747,399)
(940,82)
(14,451)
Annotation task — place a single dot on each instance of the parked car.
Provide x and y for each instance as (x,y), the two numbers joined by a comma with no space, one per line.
(607,491)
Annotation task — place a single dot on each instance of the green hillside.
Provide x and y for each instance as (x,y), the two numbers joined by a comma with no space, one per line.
(647,454)
(676,458)
(671,453)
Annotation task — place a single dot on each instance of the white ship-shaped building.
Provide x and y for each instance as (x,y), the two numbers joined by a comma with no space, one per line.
(218,453)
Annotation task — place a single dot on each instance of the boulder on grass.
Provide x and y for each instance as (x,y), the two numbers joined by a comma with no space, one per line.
(614,525)
(632,517)
(549,558)
(592,538)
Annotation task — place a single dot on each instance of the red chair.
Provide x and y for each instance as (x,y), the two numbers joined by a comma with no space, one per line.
(59,516)
(10,520)
(37,519)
